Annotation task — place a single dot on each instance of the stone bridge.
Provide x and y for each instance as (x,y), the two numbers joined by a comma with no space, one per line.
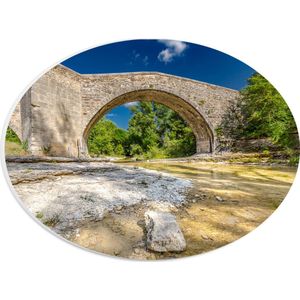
(56,114)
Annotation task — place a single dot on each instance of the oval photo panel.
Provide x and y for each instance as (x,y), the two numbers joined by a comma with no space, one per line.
(151,149)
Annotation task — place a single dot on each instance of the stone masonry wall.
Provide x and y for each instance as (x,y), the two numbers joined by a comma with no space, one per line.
(15,121)
(56,114)
(99,92)
(210,100)
(26,120)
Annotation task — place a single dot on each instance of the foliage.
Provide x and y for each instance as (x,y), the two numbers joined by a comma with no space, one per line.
(119,150)
(13,145)
(24,145)
(51,222)
(39,215)
(261,112)
(294,160)
(135,150)
(160,132)
(184,145)
(142,128)
(46,149)
(154,131)
(11,136)
(106,138)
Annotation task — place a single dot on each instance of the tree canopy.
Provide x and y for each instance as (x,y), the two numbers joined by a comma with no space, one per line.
(106,138)
(261,112)
(154,131)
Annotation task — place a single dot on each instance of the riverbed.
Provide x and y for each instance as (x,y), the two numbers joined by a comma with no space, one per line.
(101,206)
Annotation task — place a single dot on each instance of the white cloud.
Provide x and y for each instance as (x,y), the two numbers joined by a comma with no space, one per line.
(130,104)
(137,57)
(174,48)
(166,55)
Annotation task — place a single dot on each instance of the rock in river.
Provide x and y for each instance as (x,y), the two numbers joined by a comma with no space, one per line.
(163,232)
(220,199)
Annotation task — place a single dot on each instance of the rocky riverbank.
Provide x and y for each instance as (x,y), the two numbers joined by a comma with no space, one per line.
(67,195)
(105,207)
(265,158)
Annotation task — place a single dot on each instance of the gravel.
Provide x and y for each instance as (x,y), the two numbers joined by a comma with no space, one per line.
(63,195)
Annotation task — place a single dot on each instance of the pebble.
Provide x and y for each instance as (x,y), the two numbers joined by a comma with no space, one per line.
(220,199)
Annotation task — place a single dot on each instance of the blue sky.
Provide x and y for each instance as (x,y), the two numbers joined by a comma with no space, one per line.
(167,56)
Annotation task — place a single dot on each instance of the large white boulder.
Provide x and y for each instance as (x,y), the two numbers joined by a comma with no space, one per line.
(163,232)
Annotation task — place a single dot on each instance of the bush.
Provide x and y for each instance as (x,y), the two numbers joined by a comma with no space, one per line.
(11,136)
(260,112)
(135,149)
(119,150)
(106,138)
(155,152)
(294,160)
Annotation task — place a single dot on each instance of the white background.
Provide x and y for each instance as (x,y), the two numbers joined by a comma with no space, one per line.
(36,35)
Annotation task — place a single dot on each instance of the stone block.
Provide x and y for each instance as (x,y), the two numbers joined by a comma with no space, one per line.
(163,232)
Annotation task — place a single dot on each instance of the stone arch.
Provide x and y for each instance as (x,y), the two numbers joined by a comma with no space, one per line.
(60,107)
(192,114)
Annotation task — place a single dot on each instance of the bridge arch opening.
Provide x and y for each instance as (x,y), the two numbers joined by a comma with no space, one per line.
(12,136)
(13,144)
(191,115)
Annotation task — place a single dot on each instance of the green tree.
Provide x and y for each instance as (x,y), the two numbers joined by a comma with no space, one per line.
(159,131)
(142,128)
(119,150)
(106,138)
(261,112)
(266,113)
(176,137)
(154,131)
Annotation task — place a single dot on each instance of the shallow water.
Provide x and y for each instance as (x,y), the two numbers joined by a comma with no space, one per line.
(226,202)
(267,184)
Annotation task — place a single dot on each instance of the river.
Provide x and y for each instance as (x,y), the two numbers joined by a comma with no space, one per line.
(225,202)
